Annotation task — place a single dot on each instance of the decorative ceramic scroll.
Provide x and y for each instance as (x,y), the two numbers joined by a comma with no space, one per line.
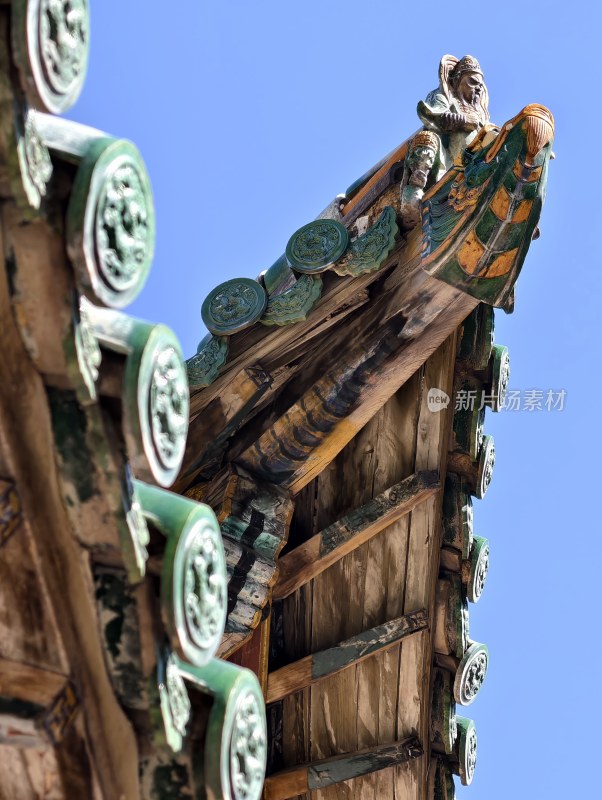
(467,750)
(370,250)
(479,567)
(111,222)
(486,464)
(194,595)
(471,673)
(135,552)
(87,349)
(34,159)
(174,701)
(233,306)
(294,304)
(204,367)
(317,246)
(237,721)
(50,43)
(499,367)
(155,392)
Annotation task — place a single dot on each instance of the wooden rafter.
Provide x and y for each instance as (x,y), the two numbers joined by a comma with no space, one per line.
(358,526)
(330,771)
(313,668)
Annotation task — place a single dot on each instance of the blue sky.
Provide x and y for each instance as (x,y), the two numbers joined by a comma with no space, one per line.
(251,117)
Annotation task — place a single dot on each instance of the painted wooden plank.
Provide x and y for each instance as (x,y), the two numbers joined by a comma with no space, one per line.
(330,771)
(325,548)
(254,517)
(313,668)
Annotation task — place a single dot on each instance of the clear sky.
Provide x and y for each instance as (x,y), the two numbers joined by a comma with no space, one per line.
(251,116)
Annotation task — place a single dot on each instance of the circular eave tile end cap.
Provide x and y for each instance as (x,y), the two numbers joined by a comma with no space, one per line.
(234,306)
(471,673)
(317,246)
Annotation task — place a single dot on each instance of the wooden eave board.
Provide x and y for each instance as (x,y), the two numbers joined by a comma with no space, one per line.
(386,697)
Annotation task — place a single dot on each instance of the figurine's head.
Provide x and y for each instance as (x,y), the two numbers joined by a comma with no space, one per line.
(421,157)
(424,146)
(463,79)
(467,81)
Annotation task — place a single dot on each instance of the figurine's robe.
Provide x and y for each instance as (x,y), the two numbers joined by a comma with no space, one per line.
(431,111)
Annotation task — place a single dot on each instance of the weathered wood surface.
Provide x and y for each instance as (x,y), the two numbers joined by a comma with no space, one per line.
(332,771)
(451,560)
(413,319)
(129,625)
(457,515)
(386,577)
(325,548)
(37,251)
(348,598)
(451,616)
(272,347)
(254,653)
(443,713)
(37,706)
(313,668)
(29,683)
(302,356)
(440,781)
(221,417)
(433,431)
(27,448)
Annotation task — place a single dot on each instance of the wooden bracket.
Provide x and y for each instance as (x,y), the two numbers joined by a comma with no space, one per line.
(313,668)
(326,548)
(330,771)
